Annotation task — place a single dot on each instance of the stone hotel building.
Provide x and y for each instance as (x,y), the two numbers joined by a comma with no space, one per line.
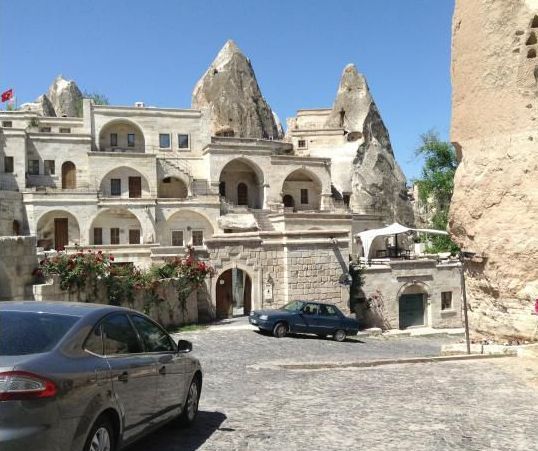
(274,213)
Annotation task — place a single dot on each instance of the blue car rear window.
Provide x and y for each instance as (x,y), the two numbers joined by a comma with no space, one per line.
(24,333)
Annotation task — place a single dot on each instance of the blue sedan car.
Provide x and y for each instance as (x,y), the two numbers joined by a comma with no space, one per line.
(305,317)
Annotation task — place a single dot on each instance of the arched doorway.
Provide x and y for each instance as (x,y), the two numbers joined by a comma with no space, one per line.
(69,175)
(302,190)
(57,229)
(233,294)
(241,183)
(288,201)
(242,194)
(121,135)
(412,307)
(115,226)
(172,188)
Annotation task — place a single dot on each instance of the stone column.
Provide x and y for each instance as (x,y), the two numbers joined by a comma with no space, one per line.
(326,201)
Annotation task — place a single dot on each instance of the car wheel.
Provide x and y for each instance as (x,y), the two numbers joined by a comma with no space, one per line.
(101,436)
(190,411)
(339,335)
(280,330)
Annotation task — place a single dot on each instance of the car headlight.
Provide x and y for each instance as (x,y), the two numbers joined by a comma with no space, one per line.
(264,317)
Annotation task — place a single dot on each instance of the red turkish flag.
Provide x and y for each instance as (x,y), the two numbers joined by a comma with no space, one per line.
(7,95)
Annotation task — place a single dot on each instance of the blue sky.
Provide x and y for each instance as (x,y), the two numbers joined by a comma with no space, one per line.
(156,50)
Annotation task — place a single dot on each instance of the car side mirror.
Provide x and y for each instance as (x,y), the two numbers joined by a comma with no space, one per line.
(184,346)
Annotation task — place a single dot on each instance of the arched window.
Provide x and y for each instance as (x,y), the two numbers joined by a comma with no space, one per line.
(242,194)
(69,175)
(16,228)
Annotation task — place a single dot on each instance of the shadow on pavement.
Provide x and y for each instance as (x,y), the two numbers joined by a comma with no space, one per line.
(173,437)
(310,337)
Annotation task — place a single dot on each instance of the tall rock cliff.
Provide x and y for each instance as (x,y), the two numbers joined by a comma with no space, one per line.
(230,94)
(376,177)
(62,99)
(494,209)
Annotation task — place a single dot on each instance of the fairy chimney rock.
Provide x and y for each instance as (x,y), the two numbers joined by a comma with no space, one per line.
(230,94)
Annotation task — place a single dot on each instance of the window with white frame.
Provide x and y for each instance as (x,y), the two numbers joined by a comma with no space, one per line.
(164,140)
(33,167)
(183,141)
(177,238)
(49,167)
(113,139)
(446,300)
(304,196)
(197,237)
(115,187)
(114,235)
(130,139)
(8,164)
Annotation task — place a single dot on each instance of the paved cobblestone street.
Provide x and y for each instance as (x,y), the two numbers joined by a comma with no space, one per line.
(473,405)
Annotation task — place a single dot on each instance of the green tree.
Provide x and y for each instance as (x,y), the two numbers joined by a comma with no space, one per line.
(98,99)
(436,185)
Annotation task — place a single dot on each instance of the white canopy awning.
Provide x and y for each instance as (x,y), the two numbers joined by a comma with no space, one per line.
(368,236)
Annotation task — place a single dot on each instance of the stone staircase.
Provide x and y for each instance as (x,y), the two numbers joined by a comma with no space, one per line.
(178,165)
(263,220)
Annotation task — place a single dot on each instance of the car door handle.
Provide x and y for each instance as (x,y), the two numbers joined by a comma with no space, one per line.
(123,377)
(162,370)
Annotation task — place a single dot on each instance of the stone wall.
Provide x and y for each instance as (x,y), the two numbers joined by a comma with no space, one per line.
(166,310)
(12,209)
(377,302)
(17,261)
(286,266)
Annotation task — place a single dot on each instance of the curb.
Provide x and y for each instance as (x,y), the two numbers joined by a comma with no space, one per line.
(382,362)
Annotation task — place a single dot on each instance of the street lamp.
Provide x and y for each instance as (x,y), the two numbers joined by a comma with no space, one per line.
(463,255)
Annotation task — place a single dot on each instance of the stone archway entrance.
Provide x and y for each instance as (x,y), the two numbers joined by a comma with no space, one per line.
(233,294)
(412,310)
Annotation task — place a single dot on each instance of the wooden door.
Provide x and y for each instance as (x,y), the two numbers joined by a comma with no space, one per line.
(247,296)
(61,233)
(69,175)
(135,187)
(134,236)
(224,295)
(242,194)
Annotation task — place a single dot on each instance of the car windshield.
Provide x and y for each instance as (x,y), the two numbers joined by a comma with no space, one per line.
(294,306)
(24,333)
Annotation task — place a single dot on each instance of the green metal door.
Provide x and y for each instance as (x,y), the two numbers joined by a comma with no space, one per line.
(411,310)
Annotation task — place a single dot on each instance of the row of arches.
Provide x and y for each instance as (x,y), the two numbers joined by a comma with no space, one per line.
(120,226)
(241,183)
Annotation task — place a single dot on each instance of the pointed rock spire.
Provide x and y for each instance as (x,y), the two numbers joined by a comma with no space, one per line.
(66,97)
(62,99)
(230,93)
(377,179)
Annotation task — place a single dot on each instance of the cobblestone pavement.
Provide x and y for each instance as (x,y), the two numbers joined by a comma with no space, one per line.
(473,405)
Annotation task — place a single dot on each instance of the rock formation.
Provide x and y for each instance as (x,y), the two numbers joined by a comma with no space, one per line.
(62,99)
(494,209)
(230,94)
(42,106)
(377,180)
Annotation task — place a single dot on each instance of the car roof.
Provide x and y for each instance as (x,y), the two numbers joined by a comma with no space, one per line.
(58,307)
(315,302)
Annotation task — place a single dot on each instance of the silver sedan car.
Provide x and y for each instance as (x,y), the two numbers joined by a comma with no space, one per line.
(87,377)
